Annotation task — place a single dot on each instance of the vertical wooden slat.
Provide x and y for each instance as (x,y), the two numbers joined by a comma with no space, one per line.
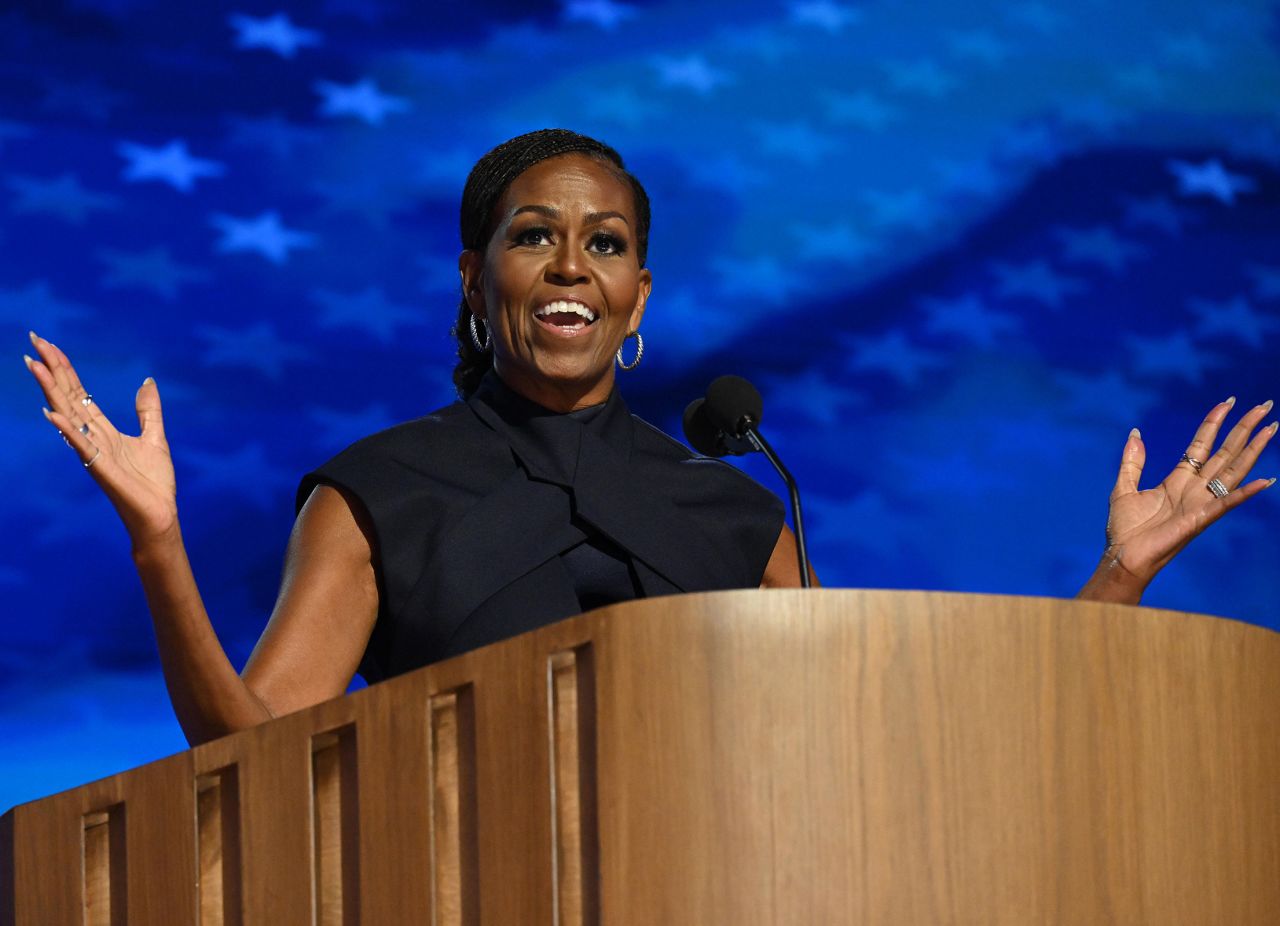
(218,847)
(335,828)
(104,867)
(454,847)
(574,831)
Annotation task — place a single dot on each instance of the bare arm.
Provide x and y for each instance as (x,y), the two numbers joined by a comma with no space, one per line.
(783,570)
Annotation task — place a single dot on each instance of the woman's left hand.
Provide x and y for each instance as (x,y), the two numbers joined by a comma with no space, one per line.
(1148,528)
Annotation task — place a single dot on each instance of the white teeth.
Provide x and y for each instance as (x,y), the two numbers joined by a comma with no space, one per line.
(564,305)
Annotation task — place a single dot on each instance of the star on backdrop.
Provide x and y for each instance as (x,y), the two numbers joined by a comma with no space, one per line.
(1210,179)
(275,33)
(362,100)
(172,164)
(262,234)
(63,196)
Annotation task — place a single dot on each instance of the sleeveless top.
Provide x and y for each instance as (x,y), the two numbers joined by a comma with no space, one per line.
(495,516)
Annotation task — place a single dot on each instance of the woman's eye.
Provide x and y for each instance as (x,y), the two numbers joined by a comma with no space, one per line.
(534,235)
(607,244)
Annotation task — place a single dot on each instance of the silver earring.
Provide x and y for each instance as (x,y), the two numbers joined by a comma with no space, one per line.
(639,351)
(475,335)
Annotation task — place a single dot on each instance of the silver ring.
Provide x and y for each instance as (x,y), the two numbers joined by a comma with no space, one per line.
(1195,464)
(87,400)
(89,465)
(1217,488)
(84,429)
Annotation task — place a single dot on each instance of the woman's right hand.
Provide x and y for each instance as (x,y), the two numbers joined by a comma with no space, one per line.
(136,473)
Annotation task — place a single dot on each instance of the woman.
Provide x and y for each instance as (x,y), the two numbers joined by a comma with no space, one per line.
(536,497)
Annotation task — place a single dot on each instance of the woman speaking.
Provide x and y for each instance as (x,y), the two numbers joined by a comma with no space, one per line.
(537,495)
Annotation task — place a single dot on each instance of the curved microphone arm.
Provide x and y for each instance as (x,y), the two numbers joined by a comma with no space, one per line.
(759,443)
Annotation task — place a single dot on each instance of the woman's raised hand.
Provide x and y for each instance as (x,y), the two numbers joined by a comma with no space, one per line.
(136,473)
(1148,528)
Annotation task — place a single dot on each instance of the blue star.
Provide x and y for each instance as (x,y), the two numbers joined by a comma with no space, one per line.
(362,99)
(35,306)
(243,475)
(968,318)
(828,16)
(13,131)
(257,347)
(63,197)
(1107,394)
(920,76)
(1174,355)
(691,72)
(339,428)
(796,140)
(172,164)
(1210,179)
(838,242)
(910,209)
(811,395)
(1035,280)
(368,310)
(1266,281)
(1156,212)
(891,353)
(276,33)
(978,45)
(154,270)
(863,109)
(1097,245)
(604,13)
(274,133)
(262,234)
(1234,318)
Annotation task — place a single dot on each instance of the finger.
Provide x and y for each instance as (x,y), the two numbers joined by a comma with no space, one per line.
(1201,445)
(1131,463)
(1234,472)
(150,417)
(59,366)
(1220,506)
(1236,440)
(84,447)
(62,387)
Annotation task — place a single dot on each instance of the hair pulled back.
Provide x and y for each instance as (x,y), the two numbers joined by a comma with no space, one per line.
(481,196)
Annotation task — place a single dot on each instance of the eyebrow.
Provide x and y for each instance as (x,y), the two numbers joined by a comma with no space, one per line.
(591,218)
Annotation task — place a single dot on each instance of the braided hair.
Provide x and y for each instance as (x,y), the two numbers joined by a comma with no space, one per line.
(485,188)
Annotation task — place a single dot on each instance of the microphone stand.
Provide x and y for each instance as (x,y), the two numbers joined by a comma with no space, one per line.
(756,439)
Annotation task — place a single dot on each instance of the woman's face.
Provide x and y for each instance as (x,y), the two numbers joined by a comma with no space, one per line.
(559,285)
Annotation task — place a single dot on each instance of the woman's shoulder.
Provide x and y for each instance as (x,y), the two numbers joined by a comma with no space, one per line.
(657,449)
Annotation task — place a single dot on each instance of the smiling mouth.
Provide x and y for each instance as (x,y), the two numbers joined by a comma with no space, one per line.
(566,317)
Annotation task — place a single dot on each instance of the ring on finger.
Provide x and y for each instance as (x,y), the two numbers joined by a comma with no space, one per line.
(87,400)
(1195,464)
(94,459)
(84,429)
(1217,488)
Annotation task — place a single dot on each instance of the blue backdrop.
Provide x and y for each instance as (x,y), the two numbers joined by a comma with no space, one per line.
(962,247)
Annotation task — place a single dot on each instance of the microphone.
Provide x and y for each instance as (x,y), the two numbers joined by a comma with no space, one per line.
(726,422)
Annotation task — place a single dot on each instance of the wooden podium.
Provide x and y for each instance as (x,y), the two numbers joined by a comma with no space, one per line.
(738,758)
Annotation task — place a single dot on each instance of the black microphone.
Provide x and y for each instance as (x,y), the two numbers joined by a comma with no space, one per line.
(727,421)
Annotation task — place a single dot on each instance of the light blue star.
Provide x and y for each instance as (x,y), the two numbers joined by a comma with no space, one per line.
(690,72)
(362,99)
(244,475)
(1097,245)
(1234,318)
(154,269)
(863,109)
(1036,280)
(891,353)
(62,196)
(273,133)
(923,76)
(369,310)
(262,234)
(606,14)
(978,45)
(797,141)
(338,428)
(1155,212)
(828,16)
(172,164)
(968,318)
(34,306)
(1210,179)
(257,347)
(1107,393)
(909,209)
(1174,355)
(1266,281)
(835,242)
(276,33)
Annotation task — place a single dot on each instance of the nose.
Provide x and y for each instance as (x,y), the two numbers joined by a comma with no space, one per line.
(567,265)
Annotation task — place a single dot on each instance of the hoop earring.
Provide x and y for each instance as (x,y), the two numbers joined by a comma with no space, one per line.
(475,336)
(639,351)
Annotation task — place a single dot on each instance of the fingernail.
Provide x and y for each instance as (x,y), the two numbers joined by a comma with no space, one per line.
(1266,406)
(1271,482)
(1135,433)
(149,381)
(46,413)
(27,360)
(33,336)
(1231,401)
(1274,426)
